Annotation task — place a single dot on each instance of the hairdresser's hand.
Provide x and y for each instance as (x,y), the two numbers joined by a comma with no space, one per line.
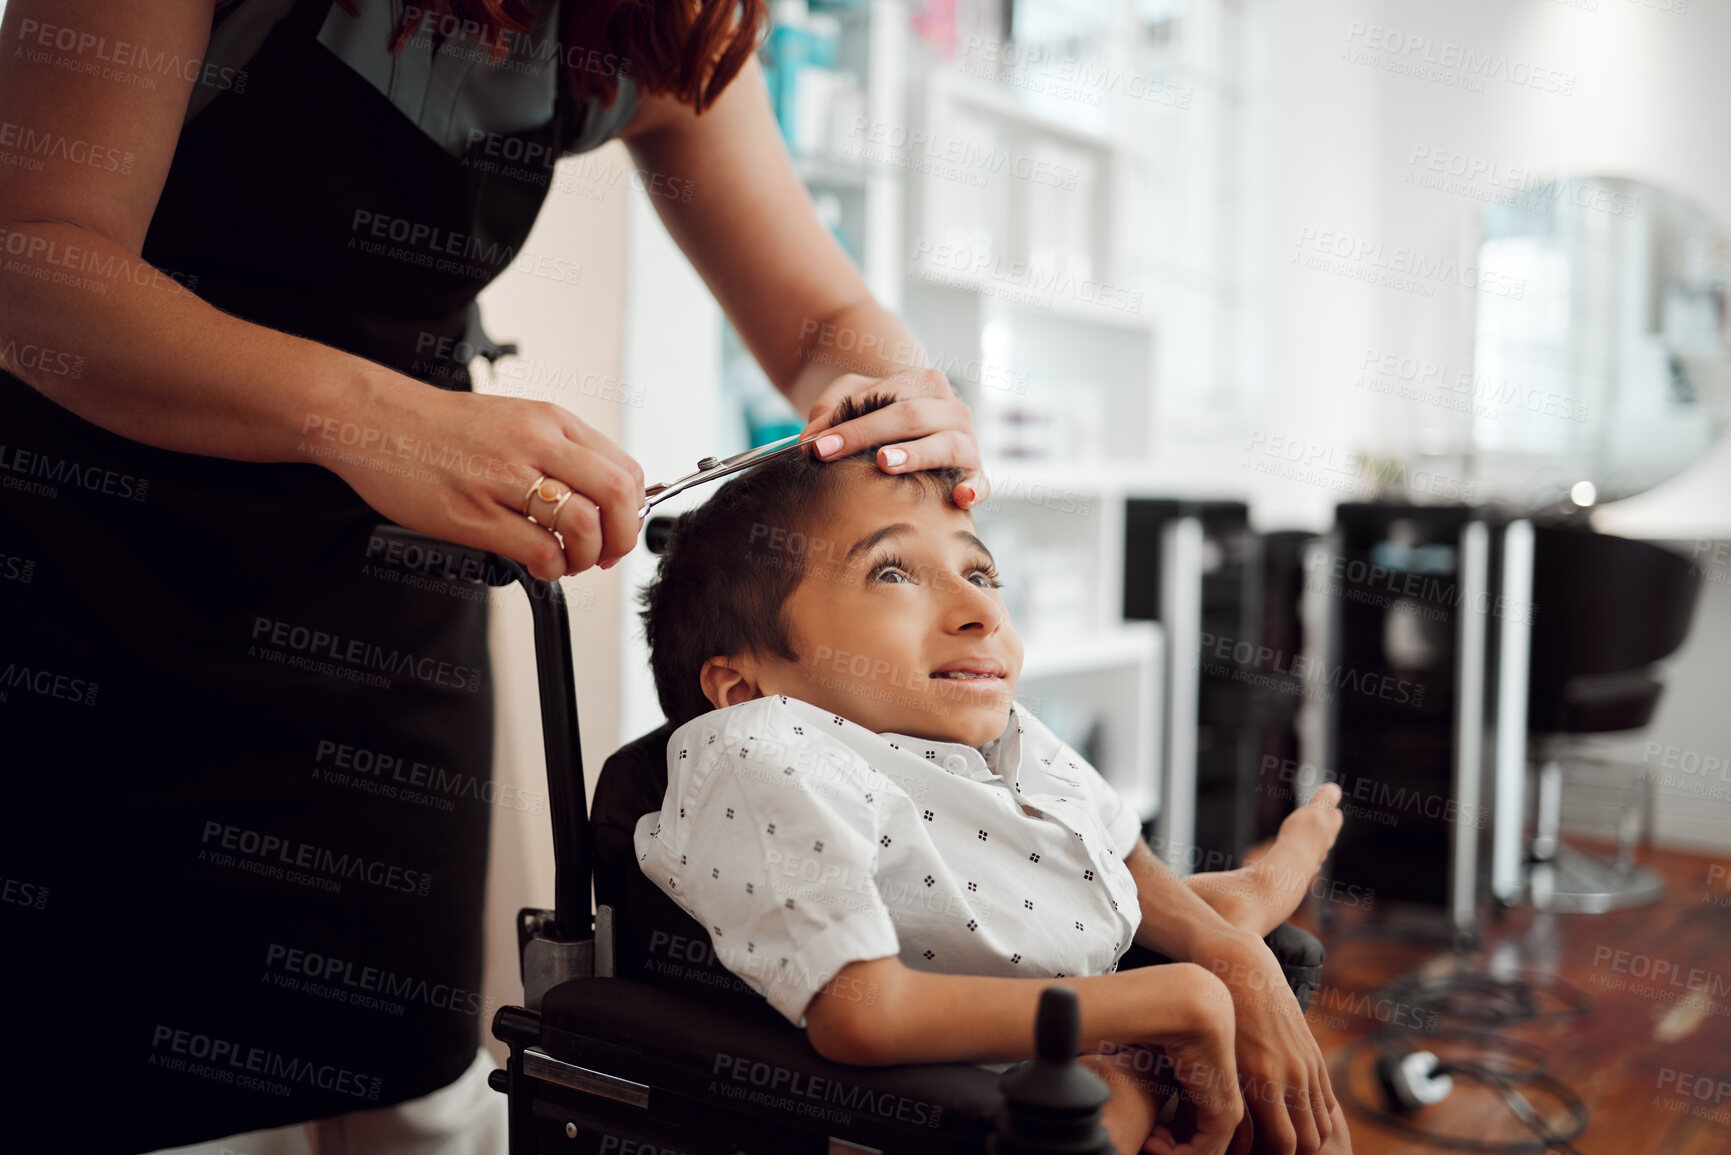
(456,466)
(1284,1077)
(928,427)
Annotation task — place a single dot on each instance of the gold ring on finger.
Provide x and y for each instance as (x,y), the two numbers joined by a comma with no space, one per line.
(550,491)
(553,520)
(529,495)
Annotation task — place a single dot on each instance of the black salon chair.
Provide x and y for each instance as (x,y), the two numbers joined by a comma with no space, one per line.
(632,1036)
(1606,610)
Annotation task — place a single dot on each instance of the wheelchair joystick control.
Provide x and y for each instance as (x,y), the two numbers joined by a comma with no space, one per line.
(1052,1105)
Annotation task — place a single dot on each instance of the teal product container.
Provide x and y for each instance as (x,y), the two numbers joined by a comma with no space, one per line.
(765,414)
(769,416)
(774,431)
(796,42)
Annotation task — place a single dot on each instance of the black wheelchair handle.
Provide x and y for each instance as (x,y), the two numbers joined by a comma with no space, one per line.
(573,841)
(656,532)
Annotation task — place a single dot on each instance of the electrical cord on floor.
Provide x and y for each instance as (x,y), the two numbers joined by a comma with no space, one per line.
(1477,999)
(1455,1004)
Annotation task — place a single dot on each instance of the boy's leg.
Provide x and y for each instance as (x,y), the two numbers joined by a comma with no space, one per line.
(1262,895)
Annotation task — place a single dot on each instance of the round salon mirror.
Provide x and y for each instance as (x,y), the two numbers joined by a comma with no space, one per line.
(1608,372)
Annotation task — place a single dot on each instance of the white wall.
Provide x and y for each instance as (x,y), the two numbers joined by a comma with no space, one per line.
(1650,93)
(673,347)
(1650,96)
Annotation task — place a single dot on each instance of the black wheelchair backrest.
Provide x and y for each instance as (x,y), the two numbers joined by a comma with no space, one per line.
(654,941)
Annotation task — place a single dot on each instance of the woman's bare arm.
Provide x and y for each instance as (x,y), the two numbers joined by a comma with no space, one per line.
(157,364)
(751,232)
(792,292)
(162,367)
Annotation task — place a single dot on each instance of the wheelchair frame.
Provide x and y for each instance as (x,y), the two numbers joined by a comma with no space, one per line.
(557,1104)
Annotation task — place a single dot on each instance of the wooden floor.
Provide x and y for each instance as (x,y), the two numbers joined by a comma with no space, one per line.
(1651,1058)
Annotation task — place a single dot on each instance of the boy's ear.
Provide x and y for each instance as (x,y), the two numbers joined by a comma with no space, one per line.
(729,681)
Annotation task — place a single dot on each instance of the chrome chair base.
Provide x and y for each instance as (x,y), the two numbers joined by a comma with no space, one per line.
(1573,882)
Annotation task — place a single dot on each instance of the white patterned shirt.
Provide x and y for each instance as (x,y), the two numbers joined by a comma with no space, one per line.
(803,842)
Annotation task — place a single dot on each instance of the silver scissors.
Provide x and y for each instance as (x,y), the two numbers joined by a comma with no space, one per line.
(711,468)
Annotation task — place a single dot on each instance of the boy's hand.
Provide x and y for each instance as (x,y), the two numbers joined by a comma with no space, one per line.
(1279,1063)
(927,427)
(1130,1115)
(1210,1107)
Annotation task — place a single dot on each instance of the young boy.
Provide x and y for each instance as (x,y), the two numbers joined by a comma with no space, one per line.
(857,803)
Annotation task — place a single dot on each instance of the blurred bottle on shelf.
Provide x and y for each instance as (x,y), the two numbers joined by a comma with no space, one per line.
(764,413)
(1015,428)
(802,48)
(935,23)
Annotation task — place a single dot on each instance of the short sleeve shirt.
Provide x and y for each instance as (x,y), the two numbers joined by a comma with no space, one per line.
(444,76)
(804,842)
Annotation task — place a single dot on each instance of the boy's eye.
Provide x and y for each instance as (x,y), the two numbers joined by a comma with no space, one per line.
(896,571)
(891,566)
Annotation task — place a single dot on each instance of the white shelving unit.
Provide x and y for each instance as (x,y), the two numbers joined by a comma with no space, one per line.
(1116,673)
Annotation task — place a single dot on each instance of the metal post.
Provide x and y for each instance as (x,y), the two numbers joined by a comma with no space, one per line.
(1471,626)
(1181,615)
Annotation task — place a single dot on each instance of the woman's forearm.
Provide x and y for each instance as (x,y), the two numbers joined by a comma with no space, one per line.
(865,338)
(157,365)
(137,354)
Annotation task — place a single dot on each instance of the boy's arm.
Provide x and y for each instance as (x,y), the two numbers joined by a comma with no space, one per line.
(768,837)
(881,1012)
(1178,922)
(1292,1100)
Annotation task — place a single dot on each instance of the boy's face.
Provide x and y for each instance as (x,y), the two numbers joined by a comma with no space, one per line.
(898,621)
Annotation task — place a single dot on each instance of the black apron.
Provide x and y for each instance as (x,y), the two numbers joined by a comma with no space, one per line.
(246,760)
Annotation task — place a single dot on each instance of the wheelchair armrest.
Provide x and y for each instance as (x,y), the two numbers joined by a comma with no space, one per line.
(697,1041)
(751,1060)
(1300,955)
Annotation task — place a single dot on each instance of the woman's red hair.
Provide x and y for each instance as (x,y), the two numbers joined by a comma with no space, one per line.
(689,49)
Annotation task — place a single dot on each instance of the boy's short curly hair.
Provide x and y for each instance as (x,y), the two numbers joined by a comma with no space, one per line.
(730,565)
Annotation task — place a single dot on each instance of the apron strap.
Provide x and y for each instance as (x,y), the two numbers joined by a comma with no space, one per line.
(237,33)
(309,15)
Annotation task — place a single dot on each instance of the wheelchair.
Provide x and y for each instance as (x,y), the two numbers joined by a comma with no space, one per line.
(632,1038)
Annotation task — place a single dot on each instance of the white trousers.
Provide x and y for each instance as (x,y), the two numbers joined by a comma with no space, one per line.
(465,1118)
